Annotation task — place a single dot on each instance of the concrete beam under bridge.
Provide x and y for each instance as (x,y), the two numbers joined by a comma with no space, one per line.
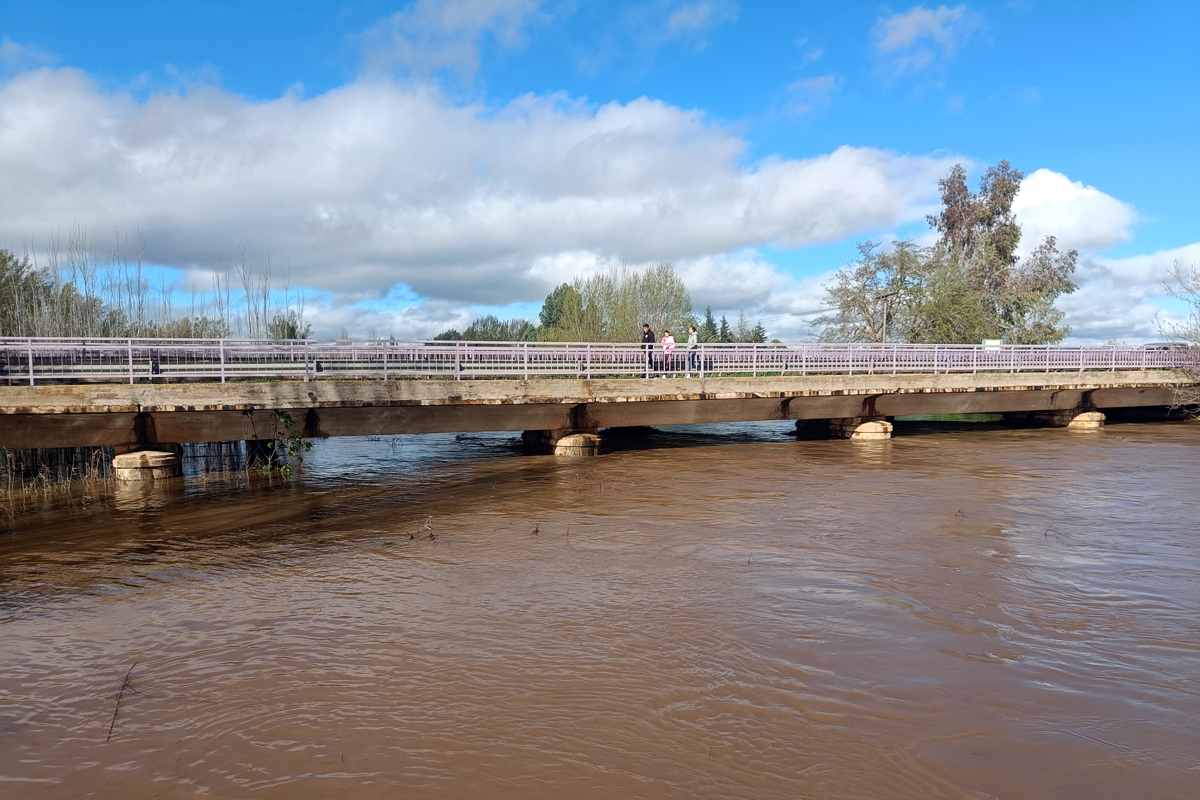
(144,415)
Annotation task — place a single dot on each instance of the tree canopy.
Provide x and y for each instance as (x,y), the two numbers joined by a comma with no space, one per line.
(968,286)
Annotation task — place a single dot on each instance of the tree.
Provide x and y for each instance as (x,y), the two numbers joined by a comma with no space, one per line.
(288,325)
(563,300)
(708,329)
(1183,284)
(742,332)
(758,334)
(724,335)
(969,286)
(612,306)
(871,297)
(490,328)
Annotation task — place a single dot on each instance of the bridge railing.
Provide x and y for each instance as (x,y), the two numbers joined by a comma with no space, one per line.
(32,360)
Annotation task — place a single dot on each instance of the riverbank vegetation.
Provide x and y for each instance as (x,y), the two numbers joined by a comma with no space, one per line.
(971,284)
(77,289)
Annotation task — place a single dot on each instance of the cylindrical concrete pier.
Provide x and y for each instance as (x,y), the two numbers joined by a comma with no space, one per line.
(563,442)
(146,465)
(861,429)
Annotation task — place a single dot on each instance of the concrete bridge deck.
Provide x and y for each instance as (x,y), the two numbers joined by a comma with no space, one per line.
(145,414)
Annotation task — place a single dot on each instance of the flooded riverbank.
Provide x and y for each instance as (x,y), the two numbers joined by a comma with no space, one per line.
(717,612)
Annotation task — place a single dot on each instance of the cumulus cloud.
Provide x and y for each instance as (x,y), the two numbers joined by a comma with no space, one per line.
(378,184)
(434,35)
(1120,298)
(913,40)
(1080,216)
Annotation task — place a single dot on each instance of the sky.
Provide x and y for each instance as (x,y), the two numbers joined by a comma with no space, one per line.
(407,166)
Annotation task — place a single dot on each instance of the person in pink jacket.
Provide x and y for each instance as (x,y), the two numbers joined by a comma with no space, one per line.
(668,347)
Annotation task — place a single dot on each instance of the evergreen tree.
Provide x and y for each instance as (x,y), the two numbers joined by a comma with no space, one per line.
(758,334)
(724,335)
(708,329)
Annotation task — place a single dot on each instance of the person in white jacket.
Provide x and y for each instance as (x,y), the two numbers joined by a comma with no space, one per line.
(693,351)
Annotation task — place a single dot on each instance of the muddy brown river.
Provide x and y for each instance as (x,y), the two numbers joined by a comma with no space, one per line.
(717,612)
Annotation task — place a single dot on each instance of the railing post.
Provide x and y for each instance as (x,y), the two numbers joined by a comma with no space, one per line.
(29,348)
(1081,359)
(588,362)
(385,360)
(895,354)
(306,360)
(525,359)
(754,360)
(221,346)
(457,361)
(701,362)
(129,346)
(935,359)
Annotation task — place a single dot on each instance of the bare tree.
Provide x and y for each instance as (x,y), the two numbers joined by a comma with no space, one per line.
(1183,283)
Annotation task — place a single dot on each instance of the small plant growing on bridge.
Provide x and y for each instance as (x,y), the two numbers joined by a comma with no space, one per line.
(287,448)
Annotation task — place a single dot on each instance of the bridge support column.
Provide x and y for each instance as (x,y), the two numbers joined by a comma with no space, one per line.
(146,465)
(563,442)
(1086,421)
(862,429)
(1072,419)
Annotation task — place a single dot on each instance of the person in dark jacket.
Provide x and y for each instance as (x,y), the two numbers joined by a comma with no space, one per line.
(648,342)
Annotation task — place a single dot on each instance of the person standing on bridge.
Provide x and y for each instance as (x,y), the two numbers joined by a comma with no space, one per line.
(648,341)
(693,351)
(668,345)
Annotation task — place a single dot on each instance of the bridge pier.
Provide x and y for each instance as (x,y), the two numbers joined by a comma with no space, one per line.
(562,442)
(862,429)
(1075,419)
(147,465)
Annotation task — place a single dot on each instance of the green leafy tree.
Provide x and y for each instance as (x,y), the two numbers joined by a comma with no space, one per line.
(875,295)
(490,328)
(563,300)
(288,325)
(969,286)
(612,306)
(758,334)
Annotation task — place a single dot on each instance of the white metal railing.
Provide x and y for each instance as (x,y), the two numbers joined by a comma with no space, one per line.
(40,360)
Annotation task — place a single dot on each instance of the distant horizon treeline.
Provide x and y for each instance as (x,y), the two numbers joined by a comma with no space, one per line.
(75,293)
(611,307)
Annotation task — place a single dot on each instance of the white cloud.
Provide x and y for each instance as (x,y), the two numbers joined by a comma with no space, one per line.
(913,40)
(695,18)
(1121,298)
(378,184)
(809,94)
(435,35)
(1080,216)
(14,56)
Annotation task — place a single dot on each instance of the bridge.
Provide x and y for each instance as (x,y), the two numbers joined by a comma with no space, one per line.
(138,394)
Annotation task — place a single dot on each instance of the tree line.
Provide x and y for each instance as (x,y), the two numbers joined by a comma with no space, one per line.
(75,294)
(611,307)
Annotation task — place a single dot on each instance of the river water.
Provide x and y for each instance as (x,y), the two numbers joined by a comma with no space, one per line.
(966,612)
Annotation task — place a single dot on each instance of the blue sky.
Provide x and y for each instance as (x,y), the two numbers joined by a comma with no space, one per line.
(413,164)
